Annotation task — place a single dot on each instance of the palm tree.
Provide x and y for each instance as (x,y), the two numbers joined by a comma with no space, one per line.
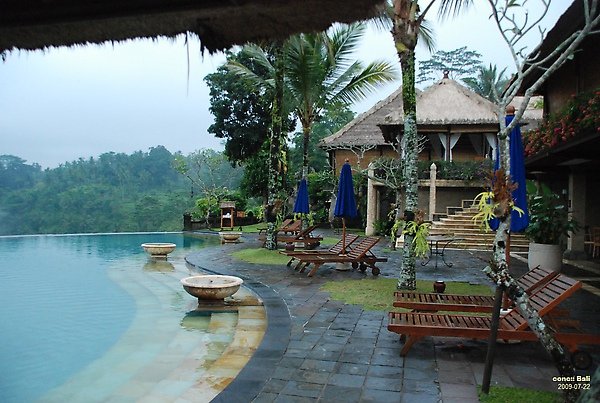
(490,82)
(321,70)
(270,59)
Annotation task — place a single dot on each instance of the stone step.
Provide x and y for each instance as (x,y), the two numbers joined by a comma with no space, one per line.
(459,226)
(453,210)
(438,216)
(459,223)
(467,203)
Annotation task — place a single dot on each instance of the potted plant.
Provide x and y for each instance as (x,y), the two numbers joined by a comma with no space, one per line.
(548,223)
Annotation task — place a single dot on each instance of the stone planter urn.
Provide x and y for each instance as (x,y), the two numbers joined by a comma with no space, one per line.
(546,256)
(211,287)
(230,236)
(159,249)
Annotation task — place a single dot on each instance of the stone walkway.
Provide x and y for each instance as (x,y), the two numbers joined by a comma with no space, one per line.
(318,349)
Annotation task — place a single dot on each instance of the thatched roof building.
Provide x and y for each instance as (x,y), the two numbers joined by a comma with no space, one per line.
(458,123)
(446,106)
(34,24)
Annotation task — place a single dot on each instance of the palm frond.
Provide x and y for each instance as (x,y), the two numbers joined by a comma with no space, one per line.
(452,8)
(427,36)
(258,59)
(341,43)
(372,77)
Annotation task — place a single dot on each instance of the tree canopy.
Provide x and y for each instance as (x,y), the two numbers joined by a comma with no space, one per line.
(460,64)
(115,192)
(242,113)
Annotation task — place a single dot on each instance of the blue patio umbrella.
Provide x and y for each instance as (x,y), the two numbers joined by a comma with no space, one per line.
(301,204)
(345,205)
(519,221)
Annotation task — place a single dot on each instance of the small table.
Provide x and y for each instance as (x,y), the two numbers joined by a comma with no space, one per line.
(434,248)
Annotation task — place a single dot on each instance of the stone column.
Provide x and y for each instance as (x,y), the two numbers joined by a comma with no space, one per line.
(577,197)
(371,203)
(432,190)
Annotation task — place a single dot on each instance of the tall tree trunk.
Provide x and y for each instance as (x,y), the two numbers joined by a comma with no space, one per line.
(405,33)
(305,140)
(275,183)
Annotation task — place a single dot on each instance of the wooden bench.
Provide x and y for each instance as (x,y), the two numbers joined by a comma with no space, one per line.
(416,301)
(513,326)
(334,250)
(360,256)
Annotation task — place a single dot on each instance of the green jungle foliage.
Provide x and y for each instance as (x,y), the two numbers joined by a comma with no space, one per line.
(111,193)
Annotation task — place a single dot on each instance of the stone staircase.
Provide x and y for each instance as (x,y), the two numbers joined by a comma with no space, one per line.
(458,221)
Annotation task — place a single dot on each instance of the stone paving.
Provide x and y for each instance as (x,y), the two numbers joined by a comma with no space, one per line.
(318,349)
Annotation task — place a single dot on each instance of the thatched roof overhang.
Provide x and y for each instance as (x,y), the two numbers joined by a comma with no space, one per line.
(445,107)
(34,24)
(363,131)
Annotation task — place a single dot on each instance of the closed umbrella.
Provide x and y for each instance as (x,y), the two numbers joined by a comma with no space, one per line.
(518,221)
(345,205)
(301,203)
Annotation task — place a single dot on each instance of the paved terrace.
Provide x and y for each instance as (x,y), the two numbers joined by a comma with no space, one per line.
(318,349)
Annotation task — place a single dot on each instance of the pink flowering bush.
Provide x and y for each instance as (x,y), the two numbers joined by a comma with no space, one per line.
(581,115)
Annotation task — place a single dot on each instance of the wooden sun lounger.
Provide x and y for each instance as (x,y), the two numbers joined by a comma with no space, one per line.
(513,326)
(334,250)
(416,301)
(288,226)
(359,255)
(305,237)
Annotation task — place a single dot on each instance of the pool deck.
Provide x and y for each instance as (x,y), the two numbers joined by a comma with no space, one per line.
(318,349)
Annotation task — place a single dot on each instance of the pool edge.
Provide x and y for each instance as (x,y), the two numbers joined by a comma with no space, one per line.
(261,366)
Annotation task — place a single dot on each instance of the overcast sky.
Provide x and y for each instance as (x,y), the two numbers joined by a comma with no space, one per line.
(70,103)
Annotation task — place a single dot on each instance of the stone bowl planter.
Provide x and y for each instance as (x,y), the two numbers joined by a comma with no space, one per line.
(230,236)
(211,287)
(158,249)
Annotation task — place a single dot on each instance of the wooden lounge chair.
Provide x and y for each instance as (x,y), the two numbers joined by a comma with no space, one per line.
(416,301)
(287,226)
(305,237)
(360,256)
(513,326)
(334,250)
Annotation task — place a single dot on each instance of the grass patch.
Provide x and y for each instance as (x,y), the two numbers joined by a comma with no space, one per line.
(376,294)
(504,394)
(254,227)
(261,256)
(329,241)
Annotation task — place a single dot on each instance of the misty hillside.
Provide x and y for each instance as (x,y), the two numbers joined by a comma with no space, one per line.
(115,192)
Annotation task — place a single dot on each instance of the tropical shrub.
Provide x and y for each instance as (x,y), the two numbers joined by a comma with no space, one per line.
(548,218)
(458,170)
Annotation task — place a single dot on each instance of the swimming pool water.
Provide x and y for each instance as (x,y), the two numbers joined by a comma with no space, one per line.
(62,307)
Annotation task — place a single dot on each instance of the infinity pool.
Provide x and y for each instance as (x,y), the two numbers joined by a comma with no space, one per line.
(93,314)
